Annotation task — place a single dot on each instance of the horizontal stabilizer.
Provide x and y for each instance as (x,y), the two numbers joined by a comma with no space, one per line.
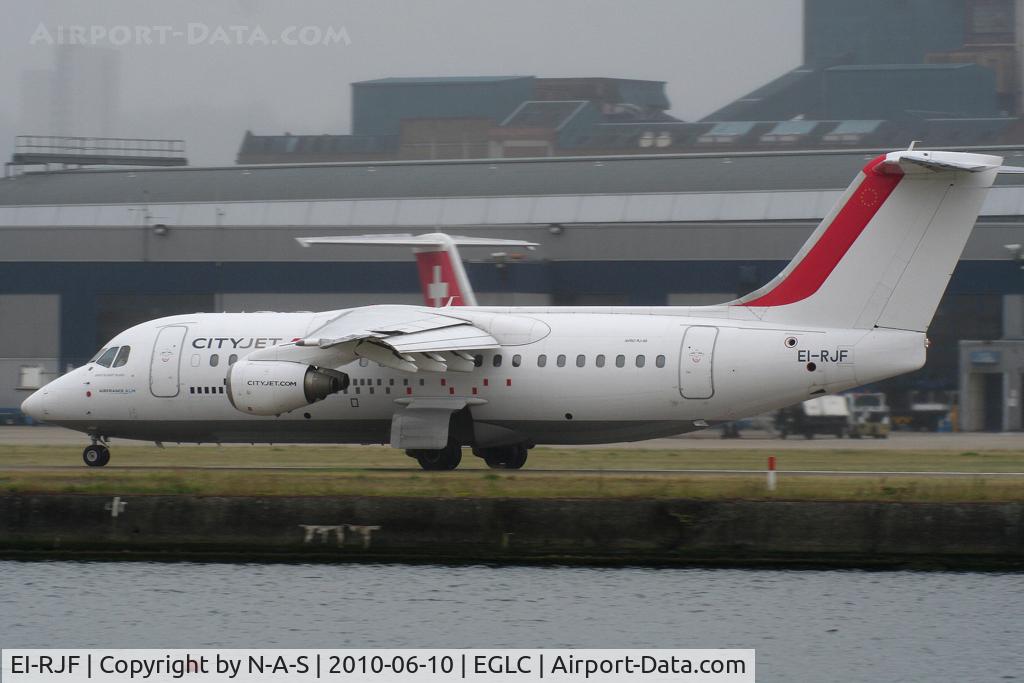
(443,279)
(408,240)
(914,161)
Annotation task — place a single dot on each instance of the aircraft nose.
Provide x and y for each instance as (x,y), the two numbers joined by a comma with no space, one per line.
(33,406)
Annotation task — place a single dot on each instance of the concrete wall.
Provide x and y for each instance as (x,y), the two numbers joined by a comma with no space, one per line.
(29,337)
(514,530)
(1002,358)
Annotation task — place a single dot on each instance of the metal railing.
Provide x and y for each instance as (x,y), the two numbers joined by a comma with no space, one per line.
(58,145)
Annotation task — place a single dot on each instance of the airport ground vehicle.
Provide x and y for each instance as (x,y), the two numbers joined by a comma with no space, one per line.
(822,415)
(869,415)
(924,411)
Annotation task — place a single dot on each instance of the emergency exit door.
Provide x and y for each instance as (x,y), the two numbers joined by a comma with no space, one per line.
(164,367)
(696,376)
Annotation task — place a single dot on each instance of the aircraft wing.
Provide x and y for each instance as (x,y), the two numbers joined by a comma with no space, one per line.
(407,338)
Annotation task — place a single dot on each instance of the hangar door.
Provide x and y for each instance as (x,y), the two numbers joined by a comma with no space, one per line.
(696,377)
(164,367)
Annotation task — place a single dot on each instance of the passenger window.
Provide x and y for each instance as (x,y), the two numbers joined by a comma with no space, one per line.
(122,357)
(560,361)
(214,360)
(517,360)
(659,361)
(599,361)
(108,357)
(497,360)
(640,361)
(620,361)
(581,360)
(232,359)
(478,360)
(542,360)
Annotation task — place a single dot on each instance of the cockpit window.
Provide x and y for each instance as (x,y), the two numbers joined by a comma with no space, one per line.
(98,354)
(122,356)
(107,357)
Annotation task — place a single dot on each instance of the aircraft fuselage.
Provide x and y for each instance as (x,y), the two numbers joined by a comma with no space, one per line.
(580,376)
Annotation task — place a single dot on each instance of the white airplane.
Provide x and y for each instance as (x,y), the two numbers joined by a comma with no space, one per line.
(851,308)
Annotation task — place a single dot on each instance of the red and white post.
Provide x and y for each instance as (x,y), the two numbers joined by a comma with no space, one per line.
(771,472)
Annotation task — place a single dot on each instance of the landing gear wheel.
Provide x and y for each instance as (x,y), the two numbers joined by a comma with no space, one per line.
(504,457)
(96,455)
(439,460)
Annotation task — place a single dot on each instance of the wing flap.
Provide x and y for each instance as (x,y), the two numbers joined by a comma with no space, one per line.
(388,335)
(461,337)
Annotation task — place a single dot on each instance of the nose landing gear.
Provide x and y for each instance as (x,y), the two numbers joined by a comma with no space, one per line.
(96,454)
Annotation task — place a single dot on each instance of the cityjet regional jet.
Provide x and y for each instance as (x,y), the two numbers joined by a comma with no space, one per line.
(851,308)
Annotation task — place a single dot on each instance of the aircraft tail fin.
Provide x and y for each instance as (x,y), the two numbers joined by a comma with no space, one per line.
(443,278)
(884,254)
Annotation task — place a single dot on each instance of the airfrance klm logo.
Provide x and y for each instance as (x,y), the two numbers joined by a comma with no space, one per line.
(193,33)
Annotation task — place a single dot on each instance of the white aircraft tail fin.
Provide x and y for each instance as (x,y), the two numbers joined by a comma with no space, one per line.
(884,254)
(442,276)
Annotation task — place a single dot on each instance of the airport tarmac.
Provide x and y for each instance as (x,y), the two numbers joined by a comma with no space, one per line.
(707,440)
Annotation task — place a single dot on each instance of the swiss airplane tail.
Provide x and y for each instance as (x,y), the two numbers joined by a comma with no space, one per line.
(442,277)
(884,254)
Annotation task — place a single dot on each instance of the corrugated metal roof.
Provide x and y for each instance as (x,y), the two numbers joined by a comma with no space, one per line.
(471,178)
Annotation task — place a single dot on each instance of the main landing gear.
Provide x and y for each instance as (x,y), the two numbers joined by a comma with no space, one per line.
(503,457)
(447,458)
(96,454)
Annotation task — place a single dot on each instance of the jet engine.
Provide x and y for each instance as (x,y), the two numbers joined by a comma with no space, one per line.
(260,387)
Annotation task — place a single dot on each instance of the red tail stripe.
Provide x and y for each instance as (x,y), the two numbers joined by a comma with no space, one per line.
(815,267)
(441,286)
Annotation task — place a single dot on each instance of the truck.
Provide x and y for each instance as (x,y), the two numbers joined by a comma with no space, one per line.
(822,415)
(869,415)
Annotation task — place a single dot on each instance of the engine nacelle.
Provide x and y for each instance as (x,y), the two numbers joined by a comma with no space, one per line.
(260,387)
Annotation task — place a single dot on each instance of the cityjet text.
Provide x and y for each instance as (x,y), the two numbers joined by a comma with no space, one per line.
(234,342)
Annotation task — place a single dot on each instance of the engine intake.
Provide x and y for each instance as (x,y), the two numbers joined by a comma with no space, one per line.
(275,387)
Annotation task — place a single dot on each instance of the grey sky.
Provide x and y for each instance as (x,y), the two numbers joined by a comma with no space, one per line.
(709,51)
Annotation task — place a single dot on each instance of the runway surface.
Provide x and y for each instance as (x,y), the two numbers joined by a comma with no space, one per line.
(910,443)
(525,472)
(707,440)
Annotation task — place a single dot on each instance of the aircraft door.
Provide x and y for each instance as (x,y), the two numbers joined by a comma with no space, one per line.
(164,367)
(696,377)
